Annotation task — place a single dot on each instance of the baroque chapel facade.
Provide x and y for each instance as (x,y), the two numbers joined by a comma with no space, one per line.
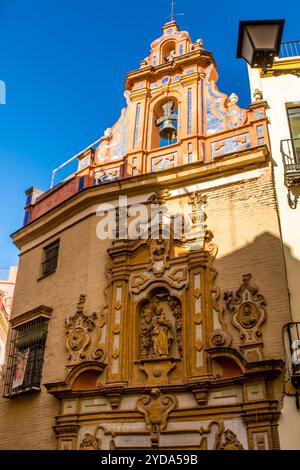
(154,342)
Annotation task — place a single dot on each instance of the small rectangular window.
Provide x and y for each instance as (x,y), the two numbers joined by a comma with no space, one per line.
(50,258)
(26,356)
(81,183)
(26,218)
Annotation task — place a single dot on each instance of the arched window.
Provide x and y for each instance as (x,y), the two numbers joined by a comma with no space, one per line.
(168,52)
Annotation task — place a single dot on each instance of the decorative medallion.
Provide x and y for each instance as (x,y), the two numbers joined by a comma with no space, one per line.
(248,309)
(78,332)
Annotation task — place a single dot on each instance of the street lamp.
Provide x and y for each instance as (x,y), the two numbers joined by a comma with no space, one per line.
(259,42)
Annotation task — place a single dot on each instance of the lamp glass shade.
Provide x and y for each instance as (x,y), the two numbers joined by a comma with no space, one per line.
(247,48)
(264,36)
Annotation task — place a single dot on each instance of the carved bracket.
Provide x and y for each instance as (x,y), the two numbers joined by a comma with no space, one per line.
(156,408)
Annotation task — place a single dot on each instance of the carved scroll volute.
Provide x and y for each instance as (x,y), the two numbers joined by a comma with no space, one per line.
(248,310)
(79,328)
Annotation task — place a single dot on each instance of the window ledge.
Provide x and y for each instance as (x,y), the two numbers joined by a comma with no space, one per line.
(21,392)
(43,276)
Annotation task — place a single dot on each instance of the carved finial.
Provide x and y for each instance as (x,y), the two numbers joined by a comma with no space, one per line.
(233,99)
(257,94)
(197,199)
(80,305)
(107,135)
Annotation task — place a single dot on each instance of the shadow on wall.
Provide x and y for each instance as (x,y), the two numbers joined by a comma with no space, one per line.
(263,259)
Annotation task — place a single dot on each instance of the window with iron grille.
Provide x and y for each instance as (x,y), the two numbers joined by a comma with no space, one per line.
(50,258)
(26,356)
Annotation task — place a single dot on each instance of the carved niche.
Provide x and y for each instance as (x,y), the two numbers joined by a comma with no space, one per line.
(160,326)
(156,409)
(248,310)
(78,332)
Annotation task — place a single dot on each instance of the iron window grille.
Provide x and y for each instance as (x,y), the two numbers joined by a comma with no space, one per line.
(26,356)
(50,258)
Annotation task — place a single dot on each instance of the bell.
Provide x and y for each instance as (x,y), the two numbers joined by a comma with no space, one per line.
(168,131)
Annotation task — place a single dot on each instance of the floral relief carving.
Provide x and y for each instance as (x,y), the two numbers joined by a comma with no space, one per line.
(78,332)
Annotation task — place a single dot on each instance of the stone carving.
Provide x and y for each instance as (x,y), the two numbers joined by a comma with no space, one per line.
(257,94)
(221,335)
(161,334)
(233,99)
(156,408)
(78,332)
(175,306)
(90,442)
(197,201)
(230,441)
(160,324)
(160,197)
(145,330)
(175,277)
(210,246)
(100,351)
(248,309)
(159,251)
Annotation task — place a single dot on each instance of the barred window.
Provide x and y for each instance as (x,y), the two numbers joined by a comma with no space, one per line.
(26,355)
(50,258)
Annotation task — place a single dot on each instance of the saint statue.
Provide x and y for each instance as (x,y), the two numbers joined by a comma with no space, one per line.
(161,334)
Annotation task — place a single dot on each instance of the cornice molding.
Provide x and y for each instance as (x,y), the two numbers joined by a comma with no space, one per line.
(173,178)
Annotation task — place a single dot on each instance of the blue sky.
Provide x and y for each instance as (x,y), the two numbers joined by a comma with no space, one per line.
(64,64)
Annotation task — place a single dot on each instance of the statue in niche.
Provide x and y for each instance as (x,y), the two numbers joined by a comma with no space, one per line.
(171,56)
(146,328)
(160,325)
(175,306)
(161,334)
